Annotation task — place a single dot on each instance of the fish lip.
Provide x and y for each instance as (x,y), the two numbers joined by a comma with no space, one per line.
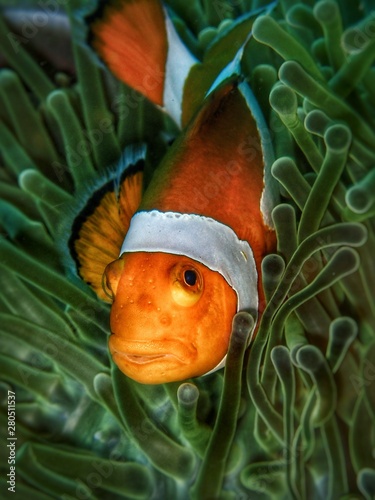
(142,352)
(142,359)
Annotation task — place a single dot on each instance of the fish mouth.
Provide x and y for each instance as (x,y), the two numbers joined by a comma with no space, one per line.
(146,352)
(142,359)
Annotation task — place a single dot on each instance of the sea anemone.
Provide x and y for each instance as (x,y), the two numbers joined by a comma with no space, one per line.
(293,416)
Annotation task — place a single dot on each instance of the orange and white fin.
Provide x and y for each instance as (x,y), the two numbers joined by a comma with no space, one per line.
(99,229)
(139,44)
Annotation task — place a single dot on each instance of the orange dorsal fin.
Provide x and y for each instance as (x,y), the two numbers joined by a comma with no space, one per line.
(130,36)
(99,229)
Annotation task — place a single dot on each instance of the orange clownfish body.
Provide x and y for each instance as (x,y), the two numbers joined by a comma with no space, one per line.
(189,258)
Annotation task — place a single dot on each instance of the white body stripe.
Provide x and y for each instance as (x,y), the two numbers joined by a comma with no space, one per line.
(178,65)
(203,239)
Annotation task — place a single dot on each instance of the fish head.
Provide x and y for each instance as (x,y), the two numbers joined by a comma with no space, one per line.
(170,318)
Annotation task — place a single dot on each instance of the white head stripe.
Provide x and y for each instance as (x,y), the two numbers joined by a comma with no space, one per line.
(203,239)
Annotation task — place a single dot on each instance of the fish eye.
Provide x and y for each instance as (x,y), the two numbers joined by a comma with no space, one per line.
(107,288)
(186,285)
(111,277)
(190,277)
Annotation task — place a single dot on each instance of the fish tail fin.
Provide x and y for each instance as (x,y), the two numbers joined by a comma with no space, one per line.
(101,219)
(132,37)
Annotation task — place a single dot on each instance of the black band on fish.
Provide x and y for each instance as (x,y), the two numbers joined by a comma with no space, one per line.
(203,239)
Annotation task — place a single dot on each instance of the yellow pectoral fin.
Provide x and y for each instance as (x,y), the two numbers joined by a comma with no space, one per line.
(99,230)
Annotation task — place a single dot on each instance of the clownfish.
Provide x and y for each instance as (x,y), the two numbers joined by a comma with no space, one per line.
(180,259)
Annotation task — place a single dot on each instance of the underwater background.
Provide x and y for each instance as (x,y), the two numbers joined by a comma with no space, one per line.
(293,416)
